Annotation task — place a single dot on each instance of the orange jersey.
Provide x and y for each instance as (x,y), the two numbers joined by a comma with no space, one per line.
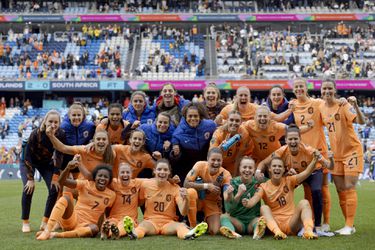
(137,160)
(243,147)
(247,113)
(160,201)
(127,197)
(300,161)
(202,169)
(89,159)
(309,110)
(114,135)
(91,202)
(279,198)
(342,137)
(265,141)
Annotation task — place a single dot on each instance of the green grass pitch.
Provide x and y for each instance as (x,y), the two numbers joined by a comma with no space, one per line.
(13,238)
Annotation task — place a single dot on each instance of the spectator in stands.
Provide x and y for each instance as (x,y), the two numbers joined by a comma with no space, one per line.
(3,106)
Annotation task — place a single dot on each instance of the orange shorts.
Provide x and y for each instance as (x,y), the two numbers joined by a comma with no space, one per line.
(161,225)
(70,223)
(352,166)
(283,222)
(209,208)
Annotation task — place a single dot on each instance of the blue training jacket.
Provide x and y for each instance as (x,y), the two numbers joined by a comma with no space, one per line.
(283,107)
(148,116)
(155,139)
(193,138)
(80,135)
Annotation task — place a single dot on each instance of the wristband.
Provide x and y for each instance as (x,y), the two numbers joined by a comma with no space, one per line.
(205,185)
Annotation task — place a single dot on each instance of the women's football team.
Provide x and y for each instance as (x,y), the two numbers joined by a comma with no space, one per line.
(211,157)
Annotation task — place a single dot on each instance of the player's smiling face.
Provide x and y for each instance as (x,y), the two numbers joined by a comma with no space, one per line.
(137,140)
(215,161)
(53,121)
(138,102)
(300,88)
(277,169)
(168,93)
(243,96)
(162,123)
(210,95)
(102,179)
(162,171)
(276,96)
(247,169)
(193,117)
(293,140)
(124,173)
(101,141)
(115,116)
(76,117)
(262,117)
(328,91)
(234,122)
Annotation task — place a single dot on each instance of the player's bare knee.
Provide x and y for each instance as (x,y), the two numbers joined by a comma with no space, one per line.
(304,203)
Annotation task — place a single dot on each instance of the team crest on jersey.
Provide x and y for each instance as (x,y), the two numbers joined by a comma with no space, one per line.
(303,164)
(272,138)
(86,134)
(149,121)
(337,117)
(168,197)
(310,110)
(207,135)
(139,164)
(286,189)
(133,190)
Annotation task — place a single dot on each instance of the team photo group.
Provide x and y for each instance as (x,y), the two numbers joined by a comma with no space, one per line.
(189,168)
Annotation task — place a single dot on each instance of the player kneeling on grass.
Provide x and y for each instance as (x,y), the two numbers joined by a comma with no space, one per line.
(213,177)
(282,216)
(161,198)
(238,217)
(94,197)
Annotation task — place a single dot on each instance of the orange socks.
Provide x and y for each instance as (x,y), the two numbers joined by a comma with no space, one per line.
(342,201)
(192,213)
(76,233)
(57,213)
(326,204)
(44,219)
(351,206)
